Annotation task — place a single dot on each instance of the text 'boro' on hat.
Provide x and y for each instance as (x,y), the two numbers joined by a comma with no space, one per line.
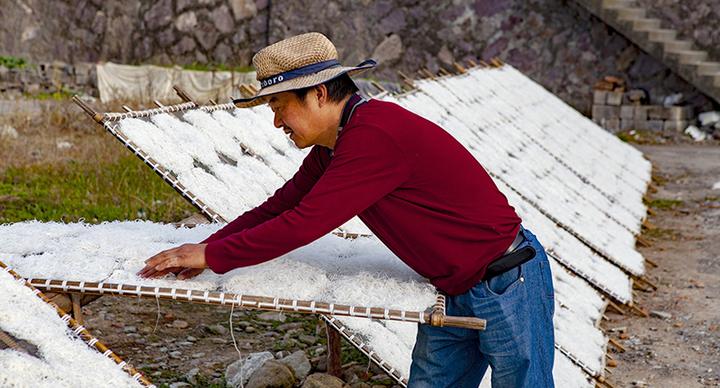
(299,62)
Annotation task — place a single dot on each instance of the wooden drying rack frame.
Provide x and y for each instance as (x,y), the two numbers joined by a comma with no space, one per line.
(79,330)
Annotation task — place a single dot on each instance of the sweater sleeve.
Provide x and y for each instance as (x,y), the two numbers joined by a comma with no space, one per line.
(286,197)
(367,165)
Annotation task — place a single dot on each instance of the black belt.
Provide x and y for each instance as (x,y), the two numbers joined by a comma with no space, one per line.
(513,257)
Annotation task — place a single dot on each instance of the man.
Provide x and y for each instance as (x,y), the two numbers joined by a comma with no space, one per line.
(420,192)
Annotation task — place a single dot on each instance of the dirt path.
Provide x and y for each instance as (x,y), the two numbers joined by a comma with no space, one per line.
(679,345)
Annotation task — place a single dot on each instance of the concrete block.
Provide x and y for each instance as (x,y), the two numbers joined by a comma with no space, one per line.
(657,113)
(679,113)
(641,112)
(655,125)
(627,124)
(675,125)
(627,111)
(614,98)
(606,112)
(640,125)
(599,97)
(612,125)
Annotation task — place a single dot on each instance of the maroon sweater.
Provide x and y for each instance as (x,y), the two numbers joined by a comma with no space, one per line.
(417,188)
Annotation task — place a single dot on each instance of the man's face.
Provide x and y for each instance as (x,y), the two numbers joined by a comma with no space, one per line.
(299,119)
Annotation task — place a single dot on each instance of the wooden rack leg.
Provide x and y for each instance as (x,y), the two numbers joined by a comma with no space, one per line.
(334,356)
(77,308)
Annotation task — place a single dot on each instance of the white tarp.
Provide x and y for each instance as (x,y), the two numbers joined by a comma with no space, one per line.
(148,83)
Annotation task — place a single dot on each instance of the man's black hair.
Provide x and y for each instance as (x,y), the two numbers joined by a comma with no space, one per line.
(338,88)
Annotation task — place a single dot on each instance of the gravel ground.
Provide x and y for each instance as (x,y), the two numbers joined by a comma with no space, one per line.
(192,343)
(679,344)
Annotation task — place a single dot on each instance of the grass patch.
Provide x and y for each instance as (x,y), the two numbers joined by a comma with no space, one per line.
(60,95)
(123,189)
(626,137)
(664,203)
(12,62)
(660,234)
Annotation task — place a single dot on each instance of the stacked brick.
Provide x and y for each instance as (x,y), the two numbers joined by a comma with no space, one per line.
(617,110)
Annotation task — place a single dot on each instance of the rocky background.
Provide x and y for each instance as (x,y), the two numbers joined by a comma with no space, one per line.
(555,42)
(696,20)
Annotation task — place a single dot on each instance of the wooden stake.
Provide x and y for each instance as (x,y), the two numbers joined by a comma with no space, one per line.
(648,225)
(247,90)
(127,108)
(77,308)
(427,73)
(648,282)
(484,64)
(213,102)
(98,117)
(442,71)
(158,104)
(639,286)
(403,76)
(472,63)
(496,62)
(611,363)
(459,68)
(183,95)
(643,241)
(334,351)
(378,86)
(615,307)
(652,263)
(639,311)
(617,345)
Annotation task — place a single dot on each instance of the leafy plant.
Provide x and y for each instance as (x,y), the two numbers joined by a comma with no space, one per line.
(12,62)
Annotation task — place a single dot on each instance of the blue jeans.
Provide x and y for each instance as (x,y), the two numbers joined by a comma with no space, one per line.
(518,343)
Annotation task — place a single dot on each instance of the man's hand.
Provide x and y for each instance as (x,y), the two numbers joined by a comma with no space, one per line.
(186,261)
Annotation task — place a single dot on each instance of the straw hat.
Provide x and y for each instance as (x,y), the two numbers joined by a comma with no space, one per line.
(299,62)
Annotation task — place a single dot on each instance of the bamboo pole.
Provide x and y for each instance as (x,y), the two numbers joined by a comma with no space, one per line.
(260,302)
(82,332)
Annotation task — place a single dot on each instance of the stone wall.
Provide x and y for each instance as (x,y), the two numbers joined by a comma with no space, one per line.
(48,78)
(696,20)
(553,41)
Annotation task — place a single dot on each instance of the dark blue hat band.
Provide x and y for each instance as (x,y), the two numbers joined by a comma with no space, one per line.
(299,72)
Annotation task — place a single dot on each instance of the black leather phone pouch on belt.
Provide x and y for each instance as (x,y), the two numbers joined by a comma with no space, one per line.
(509,261)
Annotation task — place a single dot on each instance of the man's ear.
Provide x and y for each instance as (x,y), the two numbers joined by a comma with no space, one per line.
(321,93)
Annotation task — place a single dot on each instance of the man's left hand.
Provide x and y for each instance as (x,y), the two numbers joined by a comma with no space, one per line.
(177,259)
